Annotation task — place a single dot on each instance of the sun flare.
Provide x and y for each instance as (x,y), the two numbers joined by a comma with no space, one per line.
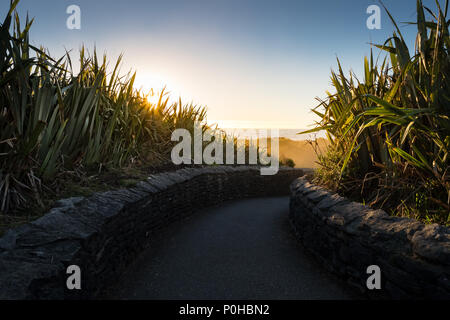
(153,98)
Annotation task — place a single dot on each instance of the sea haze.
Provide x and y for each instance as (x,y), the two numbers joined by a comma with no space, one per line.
(283,133)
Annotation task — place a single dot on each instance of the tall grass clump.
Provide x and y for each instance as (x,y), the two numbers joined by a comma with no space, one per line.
(54,120)
(390,134)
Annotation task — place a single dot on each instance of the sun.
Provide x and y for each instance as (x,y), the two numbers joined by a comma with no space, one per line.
(152,85)
(153,98)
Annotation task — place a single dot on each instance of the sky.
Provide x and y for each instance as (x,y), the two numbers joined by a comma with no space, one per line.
(252,63)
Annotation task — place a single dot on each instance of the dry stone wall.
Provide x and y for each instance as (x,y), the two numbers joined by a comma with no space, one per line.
(347,237)
(103,233)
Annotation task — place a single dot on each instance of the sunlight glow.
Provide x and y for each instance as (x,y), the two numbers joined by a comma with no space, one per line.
(251,124)
(153,84)
(153,98)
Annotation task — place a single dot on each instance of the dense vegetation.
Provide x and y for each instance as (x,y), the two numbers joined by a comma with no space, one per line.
(390,134)
(66,133)
(57,125)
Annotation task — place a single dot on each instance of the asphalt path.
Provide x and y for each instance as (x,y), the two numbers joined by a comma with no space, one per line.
(239,250)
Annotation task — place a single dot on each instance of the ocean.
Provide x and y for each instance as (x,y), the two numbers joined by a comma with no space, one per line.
(283,133)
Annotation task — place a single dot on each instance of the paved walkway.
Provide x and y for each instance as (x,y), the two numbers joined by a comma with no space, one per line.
(240,250)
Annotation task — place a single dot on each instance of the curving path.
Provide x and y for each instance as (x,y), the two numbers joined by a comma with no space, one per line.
(240,250)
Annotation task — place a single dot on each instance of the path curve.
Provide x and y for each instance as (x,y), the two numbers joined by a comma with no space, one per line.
(240,250)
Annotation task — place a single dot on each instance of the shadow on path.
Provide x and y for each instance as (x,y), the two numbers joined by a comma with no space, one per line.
(239,250)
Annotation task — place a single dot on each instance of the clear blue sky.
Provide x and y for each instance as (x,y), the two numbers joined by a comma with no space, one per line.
(259,61)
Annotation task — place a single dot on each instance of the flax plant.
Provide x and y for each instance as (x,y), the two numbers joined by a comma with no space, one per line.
(53,119)
(390,134)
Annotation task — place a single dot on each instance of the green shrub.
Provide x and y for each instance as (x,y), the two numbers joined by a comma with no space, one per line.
(390,134)
(53,120)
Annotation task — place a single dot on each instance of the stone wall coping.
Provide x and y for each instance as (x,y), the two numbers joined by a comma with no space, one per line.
(409,248)
(33,256)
